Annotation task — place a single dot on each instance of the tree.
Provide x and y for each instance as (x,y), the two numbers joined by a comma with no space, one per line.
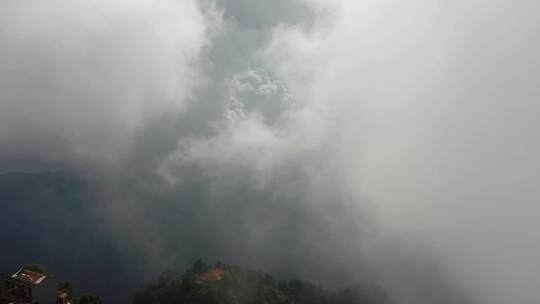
(89,298)
(35,267)
(200,267)
(65,286)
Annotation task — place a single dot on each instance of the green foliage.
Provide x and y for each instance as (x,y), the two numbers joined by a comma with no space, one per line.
(35,267)
(241,285)
(89,298)
(237,286)
(200,267)
(231,285)
(65,286)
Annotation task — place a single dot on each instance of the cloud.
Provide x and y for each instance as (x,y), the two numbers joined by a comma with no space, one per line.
(426,111)
(379,139)
(78,79)
(435,104)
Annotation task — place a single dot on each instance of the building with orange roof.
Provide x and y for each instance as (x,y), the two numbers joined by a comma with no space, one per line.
(29,287)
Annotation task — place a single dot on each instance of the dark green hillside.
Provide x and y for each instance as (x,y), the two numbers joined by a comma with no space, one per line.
(225,284)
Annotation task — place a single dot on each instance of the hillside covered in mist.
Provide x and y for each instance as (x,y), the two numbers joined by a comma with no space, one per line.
(226,284)
(70,223)
(341,142)
(212,284)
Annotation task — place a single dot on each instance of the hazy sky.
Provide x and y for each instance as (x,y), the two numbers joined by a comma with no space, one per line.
(405,134)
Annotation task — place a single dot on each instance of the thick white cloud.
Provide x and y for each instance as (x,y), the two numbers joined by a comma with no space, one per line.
(427,108)
(437,104)
(77,78)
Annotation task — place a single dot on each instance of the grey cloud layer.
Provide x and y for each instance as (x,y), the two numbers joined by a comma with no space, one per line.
(344,133)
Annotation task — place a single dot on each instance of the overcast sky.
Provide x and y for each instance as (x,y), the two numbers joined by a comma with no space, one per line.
(406,132)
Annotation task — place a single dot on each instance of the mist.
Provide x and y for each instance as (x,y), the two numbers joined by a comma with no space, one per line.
(339,141)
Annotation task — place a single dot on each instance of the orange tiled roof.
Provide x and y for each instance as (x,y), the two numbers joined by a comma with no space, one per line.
(29,276)
(214,274)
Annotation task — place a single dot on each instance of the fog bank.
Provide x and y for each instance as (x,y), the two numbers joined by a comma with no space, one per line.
(341,141)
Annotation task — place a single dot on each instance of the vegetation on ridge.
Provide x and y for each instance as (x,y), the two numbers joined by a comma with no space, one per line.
(226,284)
